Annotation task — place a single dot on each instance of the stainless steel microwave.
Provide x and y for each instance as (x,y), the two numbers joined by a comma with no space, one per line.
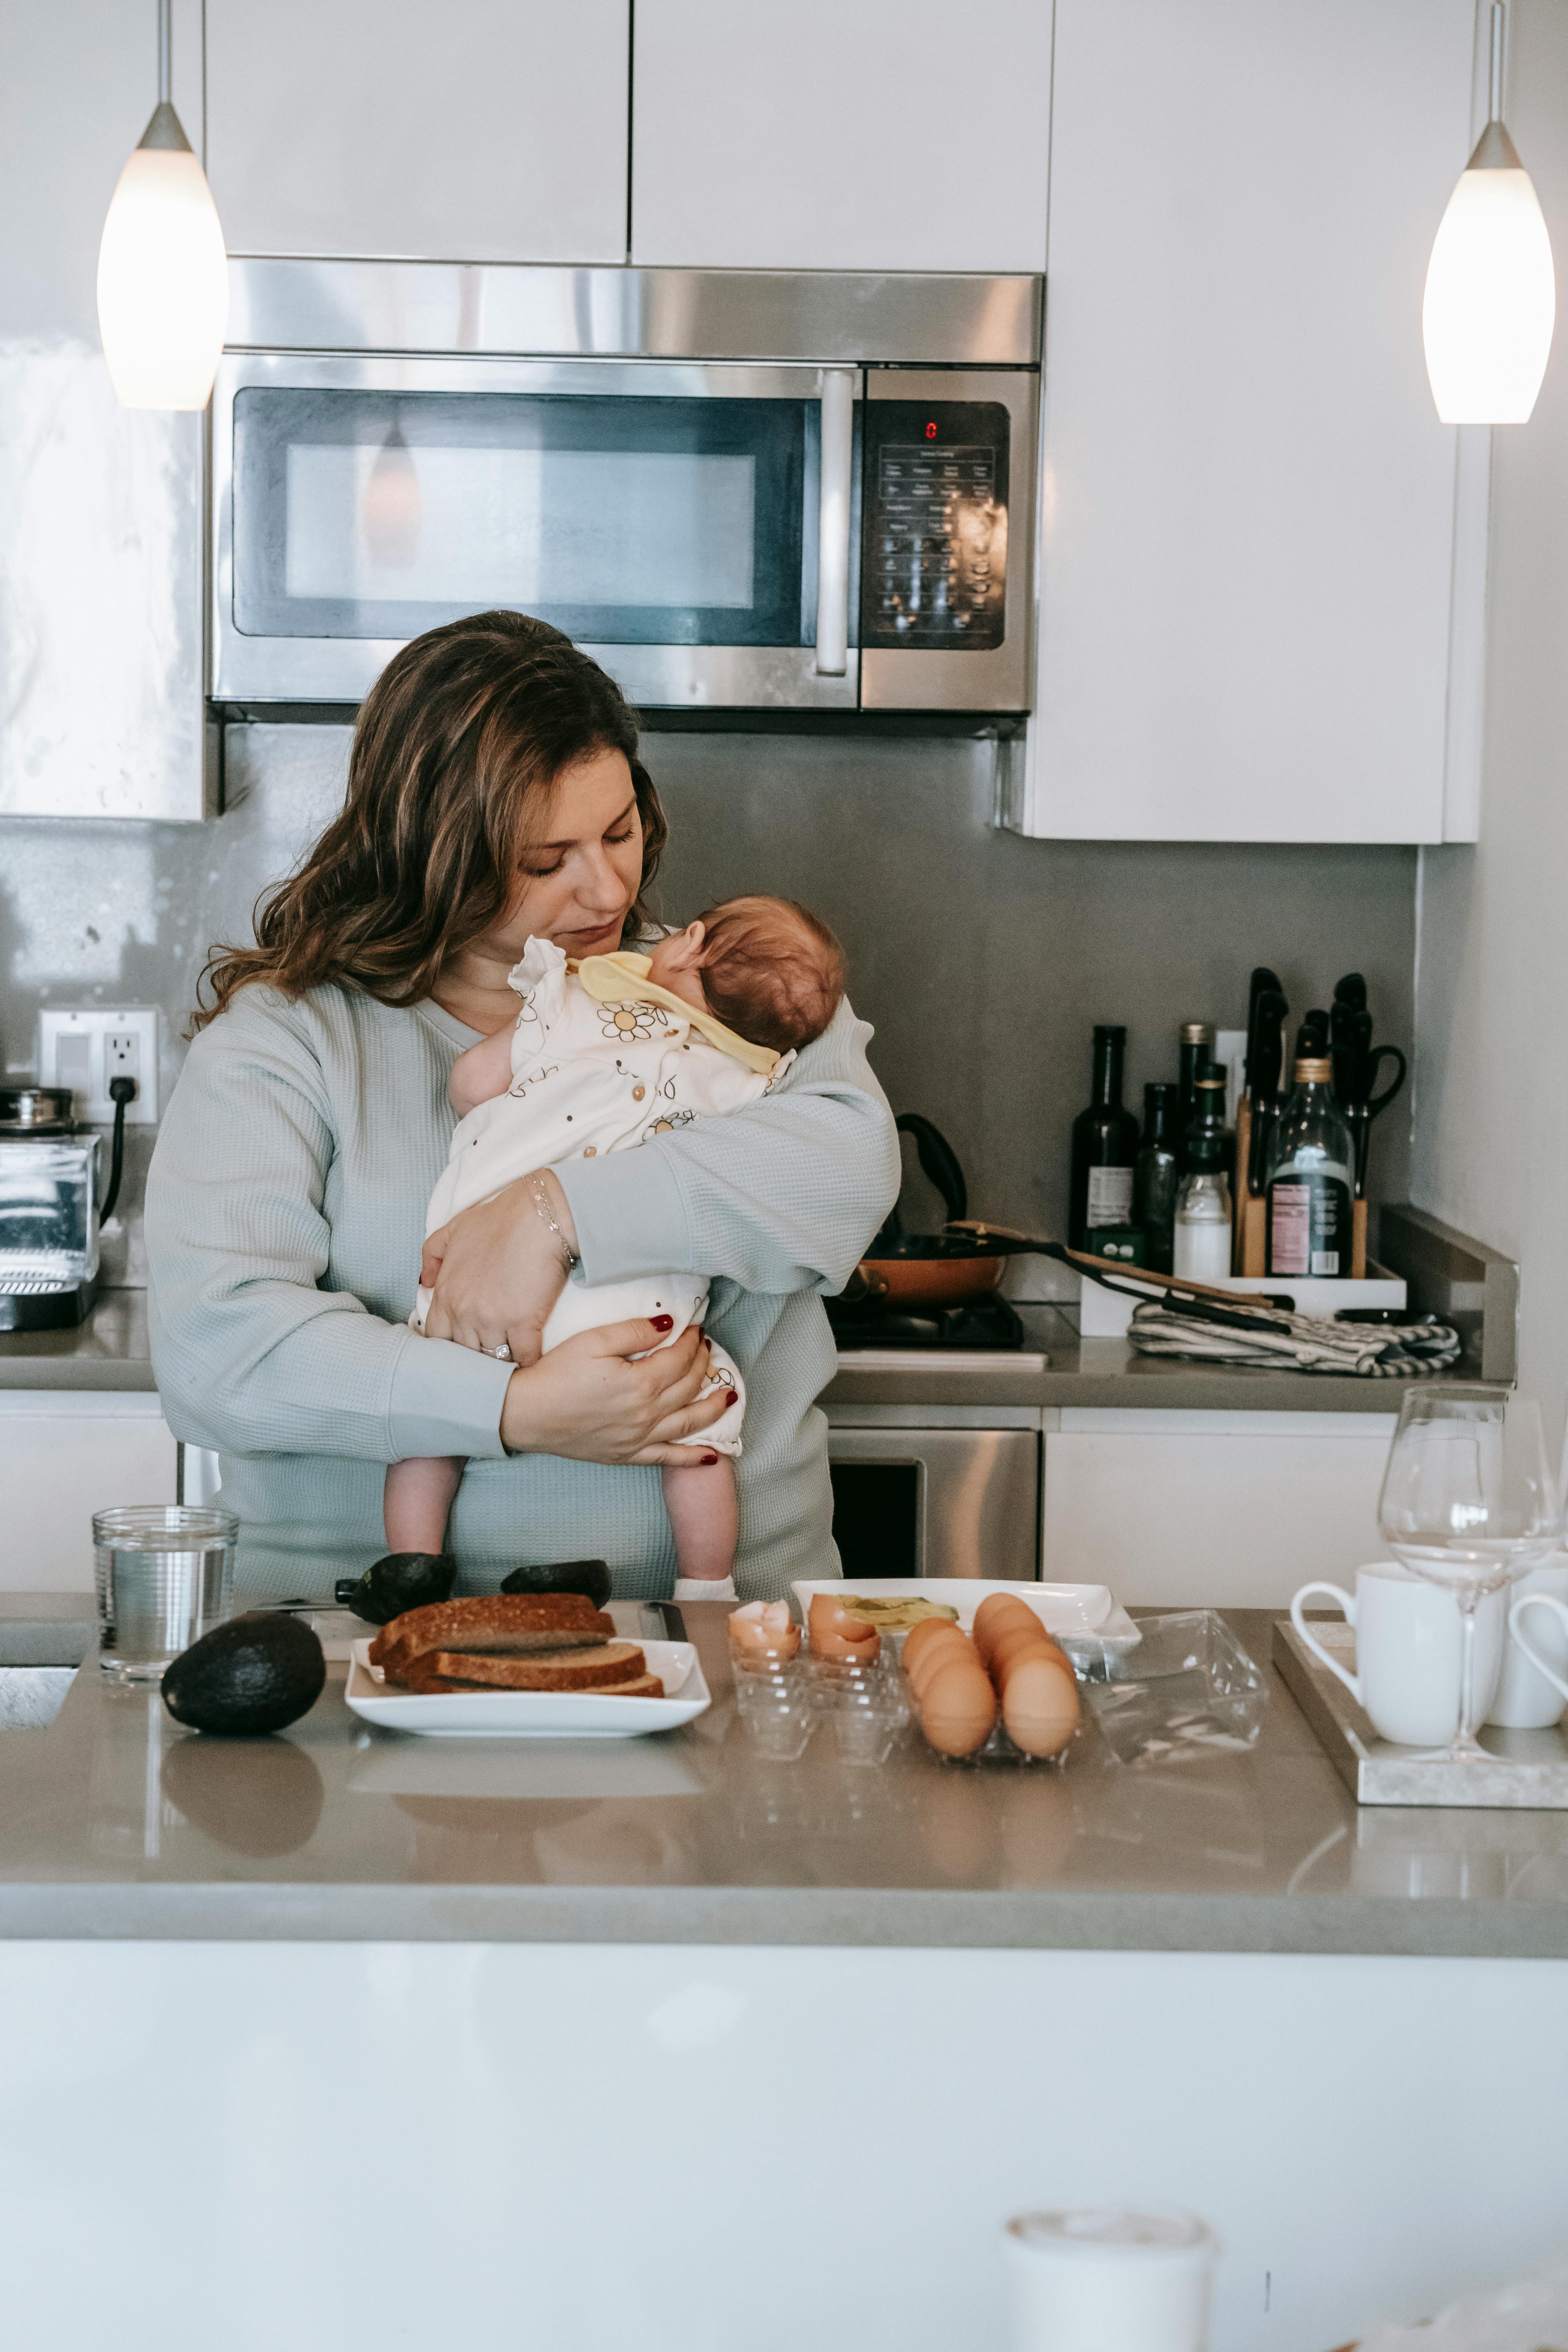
(738,490)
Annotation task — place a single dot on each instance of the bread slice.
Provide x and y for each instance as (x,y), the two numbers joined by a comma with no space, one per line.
(608,1662)
(504,1624)
(639,1686)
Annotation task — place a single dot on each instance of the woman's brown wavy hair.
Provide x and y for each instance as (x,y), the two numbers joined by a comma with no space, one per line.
(455,749)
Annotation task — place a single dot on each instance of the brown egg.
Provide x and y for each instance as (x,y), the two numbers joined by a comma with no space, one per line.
(1016,1643)
(932,1654)
(958,1708)
(1039,1705)
(999,1613)
(920,1635)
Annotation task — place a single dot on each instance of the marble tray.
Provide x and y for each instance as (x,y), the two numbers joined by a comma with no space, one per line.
(1530,1774)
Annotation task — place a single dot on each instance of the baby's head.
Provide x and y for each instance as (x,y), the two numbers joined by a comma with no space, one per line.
(768,968)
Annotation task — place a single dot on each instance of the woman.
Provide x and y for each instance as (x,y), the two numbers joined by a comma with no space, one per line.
(494,791)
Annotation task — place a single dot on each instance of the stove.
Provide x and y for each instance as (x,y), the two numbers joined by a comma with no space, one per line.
(990,1324)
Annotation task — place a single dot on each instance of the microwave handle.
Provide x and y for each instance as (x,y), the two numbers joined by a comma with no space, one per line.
(833,521)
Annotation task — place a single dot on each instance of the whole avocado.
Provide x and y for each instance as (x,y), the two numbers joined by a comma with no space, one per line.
(589,1576)
(403,1579)
(250,1676)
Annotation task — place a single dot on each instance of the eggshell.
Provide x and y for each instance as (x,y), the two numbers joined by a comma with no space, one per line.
(1016,1643)
(835,1634)
(1039,1705)
(958,1708)
(756,1631)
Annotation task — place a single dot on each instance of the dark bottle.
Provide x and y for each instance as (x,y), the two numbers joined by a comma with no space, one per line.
(1196,1045)
(1207,1119)
(1310,1179)
(1155,1176)
(1104,1146)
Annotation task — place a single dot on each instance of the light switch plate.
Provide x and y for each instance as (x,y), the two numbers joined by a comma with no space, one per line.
(84,1046)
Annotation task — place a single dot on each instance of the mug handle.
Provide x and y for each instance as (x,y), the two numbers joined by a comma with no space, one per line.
(1352,1681)
(1538,1601)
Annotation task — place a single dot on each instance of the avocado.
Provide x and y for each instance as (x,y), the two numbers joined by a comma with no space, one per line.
(251,1675)
(404,1580)
(589,1576)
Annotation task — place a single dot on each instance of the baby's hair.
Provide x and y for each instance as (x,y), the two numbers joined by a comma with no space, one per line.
(770,970)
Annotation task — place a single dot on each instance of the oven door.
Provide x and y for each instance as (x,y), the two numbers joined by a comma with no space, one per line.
(692,527)
(936,1502)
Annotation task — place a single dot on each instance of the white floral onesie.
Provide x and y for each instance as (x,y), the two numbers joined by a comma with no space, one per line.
(594,1071)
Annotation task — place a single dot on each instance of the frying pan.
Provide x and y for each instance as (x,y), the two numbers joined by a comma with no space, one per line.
(924,1272)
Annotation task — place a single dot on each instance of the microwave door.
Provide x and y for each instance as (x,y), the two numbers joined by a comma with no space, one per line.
(694,527)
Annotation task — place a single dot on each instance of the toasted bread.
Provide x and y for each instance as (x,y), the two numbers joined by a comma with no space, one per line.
(639,1686)
(608,1662)
(503,1623)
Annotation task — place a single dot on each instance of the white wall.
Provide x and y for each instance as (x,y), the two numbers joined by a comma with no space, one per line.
(1491,1078)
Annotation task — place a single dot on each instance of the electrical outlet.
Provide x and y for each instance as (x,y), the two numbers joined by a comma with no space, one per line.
(84,1046)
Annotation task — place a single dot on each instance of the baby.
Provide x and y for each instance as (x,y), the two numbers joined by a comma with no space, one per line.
(602,1056)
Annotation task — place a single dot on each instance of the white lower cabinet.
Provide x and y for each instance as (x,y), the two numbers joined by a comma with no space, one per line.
(65,1454)
(1189,1509)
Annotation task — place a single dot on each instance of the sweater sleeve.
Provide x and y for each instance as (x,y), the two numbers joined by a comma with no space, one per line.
(250,1354)
(782,1196)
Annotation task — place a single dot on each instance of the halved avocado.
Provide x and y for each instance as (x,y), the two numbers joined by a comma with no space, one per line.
(589,1576)
(403,1579)
(250,1676)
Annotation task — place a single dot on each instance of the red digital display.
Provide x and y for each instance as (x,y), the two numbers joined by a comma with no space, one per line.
(931,430)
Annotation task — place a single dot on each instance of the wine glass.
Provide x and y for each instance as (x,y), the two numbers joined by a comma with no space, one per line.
(1469,1500)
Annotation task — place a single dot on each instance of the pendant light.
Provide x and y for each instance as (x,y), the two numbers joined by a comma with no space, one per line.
(162,272)
(1490,297)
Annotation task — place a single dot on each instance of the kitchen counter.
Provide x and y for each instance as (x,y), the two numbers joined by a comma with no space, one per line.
(109,1350)
(115,1823)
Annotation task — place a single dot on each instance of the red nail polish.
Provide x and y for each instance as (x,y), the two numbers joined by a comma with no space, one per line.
(663,1322)
(732,1396)
(708,1459)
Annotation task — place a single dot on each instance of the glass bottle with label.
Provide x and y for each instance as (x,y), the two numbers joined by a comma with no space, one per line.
(1154,1177)
(1104,1146)
(1310,1184)
(1203,1228)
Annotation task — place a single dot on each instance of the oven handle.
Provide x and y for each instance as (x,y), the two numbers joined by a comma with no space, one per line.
(833,521)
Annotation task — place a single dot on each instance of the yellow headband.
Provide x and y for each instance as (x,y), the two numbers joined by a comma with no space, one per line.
(623,979)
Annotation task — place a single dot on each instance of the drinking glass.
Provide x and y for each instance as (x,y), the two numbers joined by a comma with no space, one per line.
(164,1573)
(1471,1501)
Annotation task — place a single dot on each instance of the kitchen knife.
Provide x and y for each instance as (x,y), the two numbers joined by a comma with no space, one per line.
(1264,1080)
(1351,990)
(1361,1050)
(1342,1049)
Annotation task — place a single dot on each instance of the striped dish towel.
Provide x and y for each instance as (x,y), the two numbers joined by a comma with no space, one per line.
(1299,1343)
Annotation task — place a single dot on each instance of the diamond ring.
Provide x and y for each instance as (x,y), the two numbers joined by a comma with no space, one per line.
(503,1352)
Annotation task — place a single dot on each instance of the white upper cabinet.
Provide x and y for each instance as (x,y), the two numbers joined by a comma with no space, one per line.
(469,131)
(841,134)
(1262,557)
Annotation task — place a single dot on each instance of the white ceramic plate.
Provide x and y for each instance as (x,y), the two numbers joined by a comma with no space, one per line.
(533,1715)
(1063,1609)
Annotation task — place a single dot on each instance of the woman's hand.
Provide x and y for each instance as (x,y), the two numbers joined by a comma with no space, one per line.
(589,1400)
(497,1270)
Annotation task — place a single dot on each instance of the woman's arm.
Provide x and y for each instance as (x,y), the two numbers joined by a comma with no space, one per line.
(782,1196)
(252,1357)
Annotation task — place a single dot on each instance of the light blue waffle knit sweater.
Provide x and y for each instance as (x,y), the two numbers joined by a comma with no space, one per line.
(285,1216)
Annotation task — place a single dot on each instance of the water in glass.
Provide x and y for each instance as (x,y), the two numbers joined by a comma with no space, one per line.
(164,1573)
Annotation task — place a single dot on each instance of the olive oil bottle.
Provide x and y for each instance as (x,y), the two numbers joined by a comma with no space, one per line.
(1310,1184)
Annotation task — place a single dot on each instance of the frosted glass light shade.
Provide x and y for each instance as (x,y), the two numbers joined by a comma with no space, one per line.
(1490,300)
(162,280)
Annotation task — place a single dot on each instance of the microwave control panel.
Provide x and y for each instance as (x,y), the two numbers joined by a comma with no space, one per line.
(934,559)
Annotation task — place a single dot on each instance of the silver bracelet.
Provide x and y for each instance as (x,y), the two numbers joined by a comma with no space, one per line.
(540,1200)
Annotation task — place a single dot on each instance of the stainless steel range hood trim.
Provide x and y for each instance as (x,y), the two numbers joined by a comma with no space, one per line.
(545,310)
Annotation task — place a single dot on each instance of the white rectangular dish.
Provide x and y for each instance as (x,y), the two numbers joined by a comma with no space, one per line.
(533,1715)
(1067,1612)
(1108,1314)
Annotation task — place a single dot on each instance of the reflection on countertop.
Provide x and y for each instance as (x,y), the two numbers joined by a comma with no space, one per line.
(109,1350)
(116,1822)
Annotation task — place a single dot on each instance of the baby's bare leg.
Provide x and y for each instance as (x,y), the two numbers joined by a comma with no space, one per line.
(705,1517)
(417,1501)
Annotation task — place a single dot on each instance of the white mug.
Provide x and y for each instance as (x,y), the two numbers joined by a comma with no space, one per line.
(1086,2277)
(1550,1662)
(1409,1652)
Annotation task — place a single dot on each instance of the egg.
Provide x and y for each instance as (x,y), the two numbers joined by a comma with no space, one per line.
(958,1708)
(1015,1642)
(1039,1705)
(999,1613)
(762,1628)
(926,1640)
